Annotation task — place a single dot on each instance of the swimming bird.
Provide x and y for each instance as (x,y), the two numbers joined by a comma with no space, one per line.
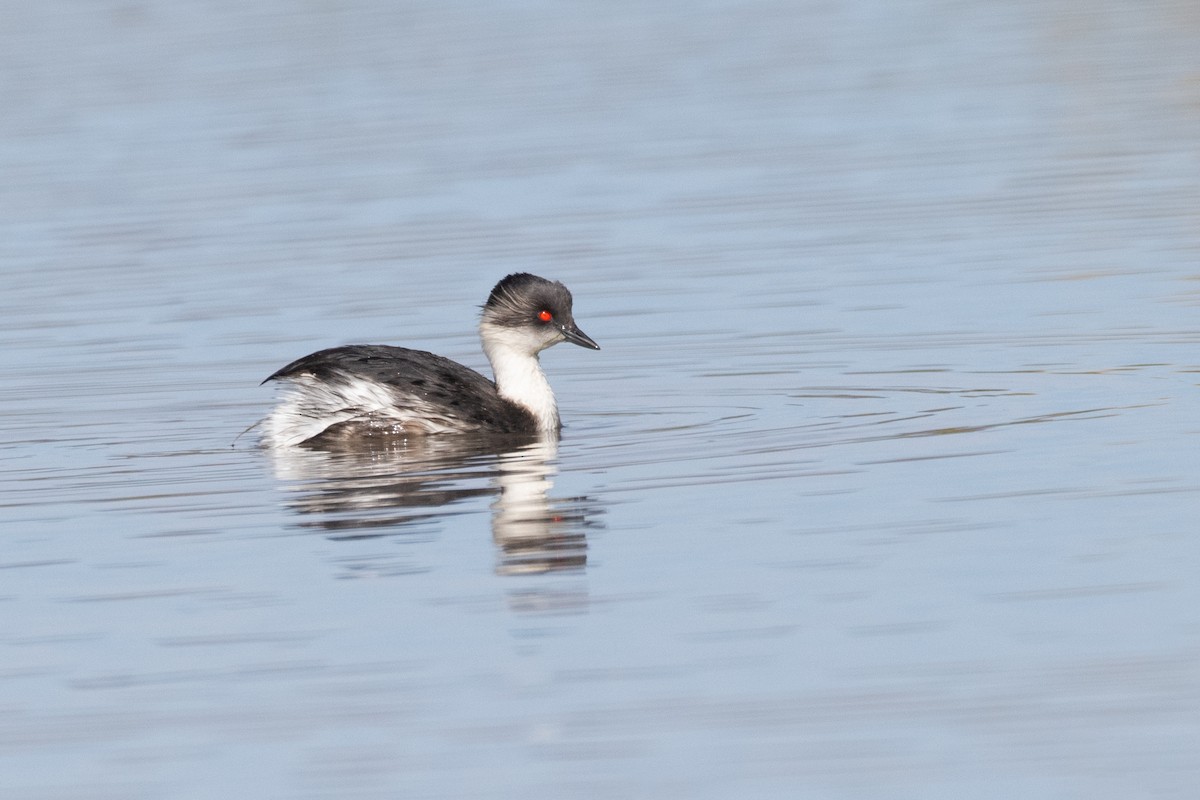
(375,389)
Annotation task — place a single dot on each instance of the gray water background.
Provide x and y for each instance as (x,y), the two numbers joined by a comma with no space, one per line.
(884,484)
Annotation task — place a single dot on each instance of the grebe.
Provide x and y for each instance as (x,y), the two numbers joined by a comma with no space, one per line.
(378,389)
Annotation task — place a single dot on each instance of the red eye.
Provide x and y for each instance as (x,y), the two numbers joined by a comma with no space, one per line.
(545,316)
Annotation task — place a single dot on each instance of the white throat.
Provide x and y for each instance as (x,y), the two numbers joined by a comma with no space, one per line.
(519,375)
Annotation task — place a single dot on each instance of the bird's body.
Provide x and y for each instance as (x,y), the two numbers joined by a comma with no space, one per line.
(380,390)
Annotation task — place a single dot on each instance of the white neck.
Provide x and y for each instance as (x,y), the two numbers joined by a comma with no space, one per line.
(519,375)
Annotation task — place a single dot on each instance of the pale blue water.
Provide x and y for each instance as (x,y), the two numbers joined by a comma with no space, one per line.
(883,485)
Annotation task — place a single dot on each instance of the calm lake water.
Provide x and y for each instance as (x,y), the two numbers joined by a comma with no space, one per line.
(884,485)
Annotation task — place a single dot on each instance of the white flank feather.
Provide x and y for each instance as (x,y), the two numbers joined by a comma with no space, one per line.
(309,407)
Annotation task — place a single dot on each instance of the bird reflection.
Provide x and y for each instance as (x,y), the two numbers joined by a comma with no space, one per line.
(532,535)
(407,485)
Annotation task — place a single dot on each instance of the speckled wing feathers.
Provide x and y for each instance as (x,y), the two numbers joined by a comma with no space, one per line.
(384,387)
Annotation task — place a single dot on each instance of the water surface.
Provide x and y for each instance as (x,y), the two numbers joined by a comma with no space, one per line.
(883,485)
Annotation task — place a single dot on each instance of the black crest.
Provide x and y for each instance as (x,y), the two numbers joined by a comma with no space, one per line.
(518,298)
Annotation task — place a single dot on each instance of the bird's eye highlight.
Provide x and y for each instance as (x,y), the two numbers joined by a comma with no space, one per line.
(545,316)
